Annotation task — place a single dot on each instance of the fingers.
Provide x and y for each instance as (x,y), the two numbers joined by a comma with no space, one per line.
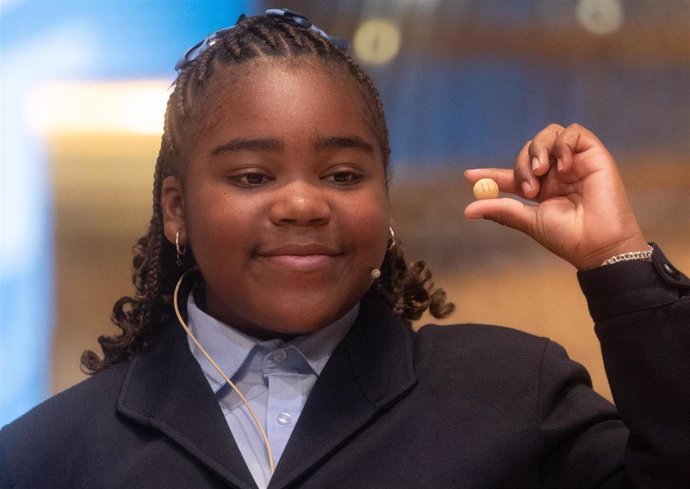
(552,149)
(527,170)
(509,212)
(504,177)
(541,150)
(522,180)
(579,207)
(535,159)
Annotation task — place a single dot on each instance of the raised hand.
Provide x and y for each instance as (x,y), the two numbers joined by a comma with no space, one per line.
(577,208)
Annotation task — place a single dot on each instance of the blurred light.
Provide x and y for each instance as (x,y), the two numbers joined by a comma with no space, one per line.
(422,4)
(600,16)
(377,41)
(103,107)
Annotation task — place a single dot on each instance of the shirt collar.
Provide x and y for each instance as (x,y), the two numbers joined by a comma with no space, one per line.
(231,348)
(316,348)
(228,347)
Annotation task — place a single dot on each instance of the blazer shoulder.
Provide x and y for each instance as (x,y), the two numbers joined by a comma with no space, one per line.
(76,408)
(478,336)
(492,363)
(487,351)
(59,429)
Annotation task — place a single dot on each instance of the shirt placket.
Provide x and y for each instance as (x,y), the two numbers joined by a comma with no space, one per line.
(244,430)
(285,393)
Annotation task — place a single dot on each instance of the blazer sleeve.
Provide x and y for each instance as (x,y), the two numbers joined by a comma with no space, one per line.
(4,475)
(642,319)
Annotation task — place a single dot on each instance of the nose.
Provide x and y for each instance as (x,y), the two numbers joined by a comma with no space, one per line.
(301,203)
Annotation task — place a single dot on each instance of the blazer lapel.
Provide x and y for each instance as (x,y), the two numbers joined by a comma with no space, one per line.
(371,368)
(166,389)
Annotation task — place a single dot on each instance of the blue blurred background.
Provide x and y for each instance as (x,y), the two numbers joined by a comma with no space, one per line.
(465,83)
(60,40)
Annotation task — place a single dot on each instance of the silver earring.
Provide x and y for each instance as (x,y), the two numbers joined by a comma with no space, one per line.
(375,272)
(180,248)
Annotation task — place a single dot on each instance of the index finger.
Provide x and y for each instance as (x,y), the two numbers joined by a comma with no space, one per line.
(504,177)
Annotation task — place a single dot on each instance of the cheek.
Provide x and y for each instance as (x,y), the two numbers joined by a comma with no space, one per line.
(217,224)
(221,226)
(367,222)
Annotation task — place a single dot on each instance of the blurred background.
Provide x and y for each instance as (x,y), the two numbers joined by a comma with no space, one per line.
(83,87)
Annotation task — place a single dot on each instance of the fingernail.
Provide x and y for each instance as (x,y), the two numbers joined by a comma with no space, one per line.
(559,164)
(535,163)
(526,187)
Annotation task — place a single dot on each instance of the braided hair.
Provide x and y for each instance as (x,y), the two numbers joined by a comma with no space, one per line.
(407,288)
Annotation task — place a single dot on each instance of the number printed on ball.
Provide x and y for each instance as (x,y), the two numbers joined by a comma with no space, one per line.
(485,188)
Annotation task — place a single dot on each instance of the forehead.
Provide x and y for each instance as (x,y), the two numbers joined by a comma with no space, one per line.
(279,95)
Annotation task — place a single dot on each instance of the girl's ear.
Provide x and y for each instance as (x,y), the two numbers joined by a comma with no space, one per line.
(172,206)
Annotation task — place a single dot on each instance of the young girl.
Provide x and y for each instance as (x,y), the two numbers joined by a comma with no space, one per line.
(270,241)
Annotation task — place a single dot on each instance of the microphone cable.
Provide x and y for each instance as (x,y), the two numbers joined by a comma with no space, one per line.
(255,418)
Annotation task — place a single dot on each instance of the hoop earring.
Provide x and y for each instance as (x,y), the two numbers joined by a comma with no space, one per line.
(391,243)
(179,248)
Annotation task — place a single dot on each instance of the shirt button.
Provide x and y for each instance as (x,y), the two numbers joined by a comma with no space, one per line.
(284,418)
(280,356)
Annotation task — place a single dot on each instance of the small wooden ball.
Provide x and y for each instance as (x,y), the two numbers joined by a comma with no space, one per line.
(485,188)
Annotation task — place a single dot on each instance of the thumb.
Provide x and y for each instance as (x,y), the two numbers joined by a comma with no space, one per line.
(505,211)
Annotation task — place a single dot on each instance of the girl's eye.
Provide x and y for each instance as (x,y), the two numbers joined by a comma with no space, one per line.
(344,177)
(250,179)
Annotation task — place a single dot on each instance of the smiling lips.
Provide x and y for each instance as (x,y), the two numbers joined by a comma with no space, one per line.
(301,257)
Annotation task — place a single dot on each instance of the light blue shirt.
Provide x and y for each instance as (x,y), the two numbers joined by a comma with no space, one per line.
(275,376)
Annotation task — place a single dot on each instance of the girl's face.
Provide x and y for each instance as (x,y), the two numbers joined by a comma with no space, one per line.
(284,202)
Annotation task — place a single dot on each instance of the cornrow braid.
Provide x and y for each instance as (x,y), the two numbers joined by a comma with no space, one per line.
(406,287)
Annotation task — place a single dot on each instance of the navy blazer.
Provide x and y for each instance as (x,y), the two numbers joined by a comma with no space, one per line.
(466,406)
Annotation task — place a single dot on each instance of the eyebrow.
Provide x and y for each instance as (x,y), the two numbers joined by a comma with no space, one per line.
(343,142)
(274,144)
(253,144)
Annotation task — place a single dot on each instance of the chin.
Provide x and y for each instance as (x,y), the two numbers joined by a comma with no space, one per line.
(299,317)
(285,309)
(307,321)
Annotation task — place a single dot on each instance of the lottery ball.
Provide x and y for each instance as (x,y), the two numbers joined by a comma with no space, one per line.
(485,188)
